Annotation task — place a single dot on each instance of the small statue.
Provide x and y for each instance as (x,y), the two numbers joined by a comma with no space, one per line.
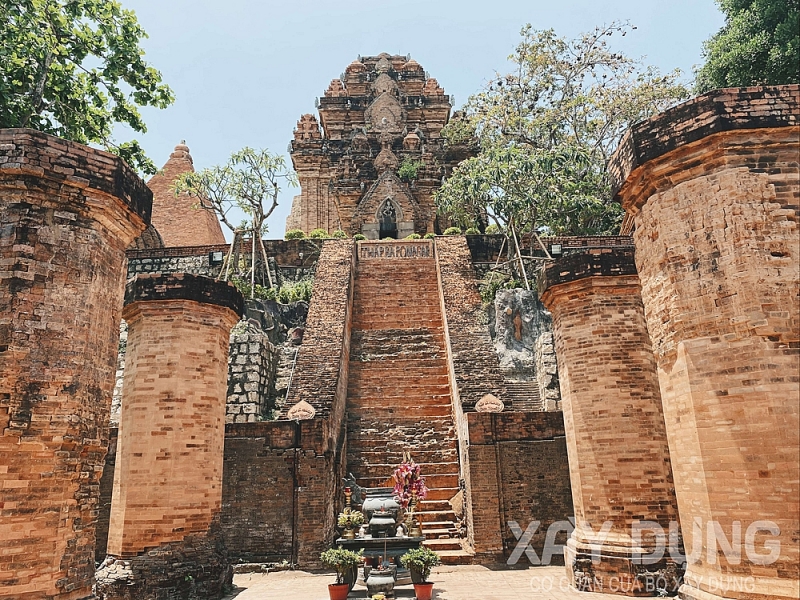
(400,532)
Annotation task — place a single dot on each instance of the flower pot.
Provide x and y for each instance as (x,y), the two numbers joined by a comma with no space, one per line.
(423,591)
(350,577)
(338,591)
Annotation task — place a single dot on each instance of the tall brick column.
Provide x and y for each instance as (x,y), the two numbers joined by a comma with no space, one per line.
(67,213)
(616,441)
(713,191)
(168,477)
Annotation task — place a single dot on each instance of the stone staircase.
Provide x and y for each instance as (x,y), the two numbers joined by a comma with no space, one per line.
(524,395)
(398,396)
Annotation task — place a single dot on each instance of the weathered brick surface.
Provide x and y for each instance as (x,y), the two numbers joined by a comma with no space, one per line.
(179,219)
(519,472)
(168,475)
(485,249)
(730,109)
(717,251)
(476,370)
(320,378)
(66,216)
(619,456)
(258,499)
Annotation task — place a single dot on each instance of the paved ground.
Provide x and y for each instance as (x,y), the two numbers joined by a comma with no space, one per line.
(450,583)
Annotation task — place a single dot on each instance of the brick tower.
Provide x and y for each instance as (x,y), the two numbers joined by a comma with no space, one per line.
(177,218)
(383,112)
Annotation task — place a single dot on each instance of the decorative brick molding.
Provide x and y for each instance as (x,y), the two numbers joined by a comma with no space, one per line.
(149,287)
(717,250)
(595,262)
(66,216)
(617,443)
(718,111)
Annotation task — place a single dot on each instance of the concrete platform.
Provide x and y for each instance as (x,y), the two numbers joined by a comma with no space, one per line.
(468,582)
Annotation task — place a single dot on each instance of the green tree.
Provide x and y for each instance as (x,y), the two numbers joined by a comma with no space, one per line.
(74,68)
(546,130)
(251,180)
(758,45)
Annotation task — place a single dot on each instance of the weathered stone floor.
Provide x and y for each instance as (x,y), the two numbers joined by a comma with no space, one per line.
(450,583)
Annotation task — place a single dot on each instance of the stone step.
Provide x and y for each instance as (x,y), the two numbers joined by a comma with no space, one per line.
(455,557)
(439,545)
(428,469)
(431,505)
(394,458)
(395,400)
(524,395)
(435,516)
(434,372)
(388,412)
(448,531)
(435,483)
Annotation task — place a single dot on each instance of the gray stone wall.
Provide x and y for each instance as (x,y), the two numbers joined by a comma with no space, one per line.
(251,374)
(547,371)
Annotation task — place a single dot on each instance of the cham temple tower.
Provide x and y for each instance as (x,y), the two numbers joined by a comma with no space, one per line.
(382,113)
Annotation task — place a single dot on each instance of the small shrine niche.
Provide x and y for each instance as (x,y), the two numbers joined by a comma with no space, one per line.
(387,219)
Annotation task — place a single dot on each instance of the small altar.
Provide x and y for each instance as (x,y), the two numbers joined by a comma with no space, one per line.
(374,548)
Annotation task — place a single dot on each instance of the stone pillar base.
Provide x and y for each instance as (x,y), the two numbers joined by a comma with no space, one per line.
(196,567)
(614,570)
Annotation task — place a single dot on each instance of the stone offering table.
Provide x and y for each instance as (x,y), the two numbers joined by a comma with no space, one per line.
(374,550)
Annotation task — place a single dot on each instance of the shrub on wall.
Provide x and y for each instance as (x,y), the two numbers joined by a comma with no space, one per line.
(413,236)
(339,234)
(318,234)
(429,236)
(359,236)
(472,231)
(452,231)
(294,234)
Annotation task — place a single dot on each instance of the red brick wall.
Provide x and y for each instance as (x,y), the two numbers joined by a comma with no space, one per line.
(66,216)
(258,499)
(717,251)
(178,219)
(619,456)
(168,475)
(519,472)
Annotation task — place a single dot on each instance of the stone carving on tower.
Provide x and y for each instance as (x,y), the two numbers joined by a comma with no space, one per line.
(382,112)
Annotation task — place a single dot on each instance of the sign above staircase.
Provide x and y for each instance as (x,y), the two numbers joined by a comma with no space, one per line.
(400,249)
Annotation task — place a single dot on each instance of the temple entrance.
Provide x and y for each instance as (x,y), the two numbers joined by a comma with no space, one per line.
(387,216)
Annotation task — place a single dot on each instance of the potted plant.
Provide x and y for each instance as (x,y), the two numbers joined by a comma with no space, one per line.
(420,561)
(349,520)
(345,562)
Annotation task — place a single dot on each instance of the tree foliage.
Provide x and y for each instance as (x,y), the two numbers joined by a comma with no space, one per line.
(74,68)
(251,180)
(546,130)
(758,45)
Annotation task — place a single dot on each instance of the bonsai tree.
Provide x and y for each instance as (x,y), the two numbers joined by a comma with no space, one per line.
(420,561)
(351,520)
(343,561)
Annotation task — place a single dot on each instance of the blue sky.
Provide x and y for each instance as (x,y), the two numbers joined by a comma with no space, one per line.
(243,72)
